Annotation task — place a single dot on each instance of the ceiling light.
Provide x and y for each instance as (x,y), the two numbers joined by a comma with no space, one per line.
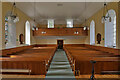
(34,26)
(13,15)
(105,17)
(85,26)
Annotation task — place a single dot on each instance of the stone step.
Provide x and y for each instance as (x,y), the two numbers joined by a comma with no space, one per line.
(60,63)
(60,66)
(60,70)
(60,60)
(59,74)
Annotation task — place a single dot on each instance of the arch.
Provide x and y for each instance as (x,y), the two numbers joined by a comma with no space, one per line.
(92,32)
(27,33)
(110,30)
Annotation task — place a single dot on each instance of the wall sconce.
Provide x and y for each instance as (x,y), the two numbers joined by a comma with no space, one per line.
(34,28)
(85,28)
(43,32)
(76,32)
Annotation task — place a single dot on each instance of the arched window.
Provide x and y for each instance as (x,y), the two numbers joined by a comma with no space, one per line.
(6,30)
(92,32)
(110,30)
(10,31)
(27,33)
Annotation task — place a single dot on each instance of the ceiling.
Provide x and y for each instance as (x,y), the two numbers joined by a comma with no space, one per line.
(60,11)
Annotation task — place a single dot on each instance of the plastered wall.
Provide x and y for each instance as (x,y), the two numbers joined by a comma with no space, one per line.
(0,25)
(57,25)
(20,26)
(99,26)
(66,41)
(119,26)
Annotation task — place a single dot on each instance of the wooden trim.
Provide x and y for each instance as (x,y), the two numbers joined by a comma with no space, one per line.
(45,45)
(75,45)
(61,32)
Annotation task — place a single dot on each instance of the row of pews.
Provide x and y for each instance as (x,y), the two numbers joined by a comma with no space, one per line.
(107,59)
(27,60)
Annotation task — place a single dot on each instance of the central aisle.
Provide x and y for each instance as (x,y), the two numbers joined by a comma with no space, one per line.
(60,67)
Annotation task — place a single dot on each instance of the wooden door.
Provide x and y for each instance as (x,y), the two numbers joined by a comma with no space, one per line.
(60,44)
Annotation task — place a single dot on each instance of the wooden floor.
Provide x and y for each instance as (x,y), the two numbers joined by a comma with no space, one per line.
(99,76)
(43,76)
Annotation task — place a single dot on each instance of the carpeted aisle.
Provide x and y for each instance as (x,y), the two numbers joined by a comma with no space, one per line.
(60,68)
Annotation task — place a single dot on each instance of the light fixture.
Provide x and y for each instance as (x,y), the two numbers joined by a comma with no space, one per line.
(85,26)
(76,32)
(43,32)
(34,26)
(105,17)
(14,16)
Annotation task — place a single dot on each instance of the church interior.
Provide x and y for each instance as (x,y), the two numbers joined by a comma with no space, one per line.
(60,40)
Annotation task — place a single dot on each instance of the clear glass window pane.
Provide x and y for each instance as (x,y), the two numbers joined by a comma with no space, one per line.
(69,22)
(51,23)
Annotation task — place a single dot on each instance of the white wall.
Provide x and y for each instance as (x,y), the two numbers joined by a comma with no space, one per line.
(0,25)
(20,26)
(0,33)
(119,26)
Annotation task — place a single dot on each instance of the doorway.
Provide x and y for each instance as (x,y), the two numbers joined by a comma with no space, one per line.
(60,44)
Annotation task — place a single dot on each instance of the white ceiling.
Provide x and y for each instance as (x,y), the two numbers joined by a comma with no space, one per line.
(50,10)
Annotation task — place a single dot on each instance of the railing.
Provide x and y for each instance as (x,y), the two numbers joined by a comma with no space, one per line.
(60,32)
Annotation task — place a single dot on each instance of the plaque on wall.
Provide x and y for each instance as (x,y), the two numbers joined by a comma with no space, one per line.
(98,38)
(21,38)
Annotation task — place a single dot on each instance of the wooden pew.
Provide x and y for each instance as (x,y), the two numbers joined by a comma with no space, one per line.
(83,55)
(36,59)
(23,71)
(36,67)
(7,52)
(105,49)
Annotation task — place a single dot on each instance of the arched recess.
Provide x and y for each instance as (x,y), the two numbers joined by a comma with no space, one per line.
(10,31)
(27,33)
(110,30)
(92,32)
